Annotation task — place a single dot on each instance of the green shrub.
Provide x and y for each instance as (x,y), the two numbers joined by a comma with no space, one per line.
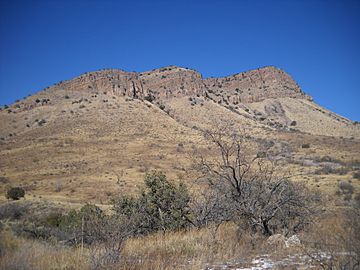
(74,218)
(54,219)
(15,193)
(161,205)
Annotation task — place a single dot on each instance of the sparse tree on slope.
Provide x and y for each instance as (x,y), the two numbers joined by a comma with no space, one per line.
(255,197)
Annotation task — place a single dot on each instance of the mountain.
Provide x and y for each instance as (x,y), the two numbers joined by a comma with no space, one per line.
(87,138)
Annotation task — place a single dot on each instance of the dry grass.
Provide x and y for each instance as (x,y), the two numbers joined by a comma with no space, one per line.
(337,237)
(192,249)
(187,250)
(18,253)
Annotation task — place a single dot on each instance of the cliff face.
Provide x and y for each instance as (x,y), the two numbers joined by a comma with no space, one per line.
(254,85)
(172,81)
(160,83)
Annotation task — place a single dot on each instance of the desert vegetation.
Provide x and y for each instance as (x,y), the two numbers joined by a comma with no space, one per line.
(241,204)
(15,193)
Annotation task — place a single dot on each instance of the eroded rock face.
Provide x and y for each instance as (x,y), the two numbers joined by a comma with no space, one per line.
(254,85)
(172,81)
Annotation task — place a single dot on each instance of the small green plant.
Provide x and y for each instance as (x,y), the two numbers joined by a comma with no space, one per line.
(15,193)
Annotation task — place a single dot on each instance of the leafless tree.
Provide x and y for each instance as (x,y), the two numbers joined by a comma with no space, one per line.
(109,235)
(208,208)
(253,194)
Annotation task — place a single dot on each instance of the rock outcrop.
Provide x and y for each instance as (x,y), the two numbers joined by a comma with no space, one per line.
(172,81)
(279,241)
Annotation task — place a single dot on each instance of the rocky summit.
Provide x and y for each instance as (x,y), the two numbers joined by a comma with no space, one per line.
(173,81)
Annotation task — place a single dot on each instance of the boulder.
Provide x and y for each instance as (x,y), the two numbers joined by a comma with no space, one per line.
(292,241)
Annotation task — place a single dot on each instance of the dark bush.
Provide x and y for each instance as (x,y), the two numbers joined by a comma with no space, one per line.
(261,155)
(15,193)
(293,123)
(305,145)
(149,98)
(356,175)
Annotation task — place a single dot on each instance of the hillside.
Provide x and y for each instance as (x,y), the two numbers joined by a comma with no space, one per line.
(88,138)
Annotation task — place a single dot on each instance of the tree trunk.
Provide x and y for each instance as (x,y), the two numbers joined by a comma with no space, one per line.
(267,230)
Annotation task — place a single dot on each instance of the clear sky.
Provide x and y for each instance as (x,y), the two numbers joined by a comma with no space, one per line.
(317,42)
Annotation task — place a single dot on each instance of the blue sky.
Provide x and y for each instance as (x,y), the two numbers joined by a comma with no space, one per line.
(317,42)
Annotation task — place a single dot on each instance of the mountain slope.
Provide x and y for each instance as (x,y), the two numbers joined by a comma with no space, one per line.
(95,135)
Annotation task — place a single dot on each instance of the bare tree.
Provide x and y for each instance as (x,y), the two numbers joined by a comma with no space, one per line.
(109,235)
(208,208)
(255,196)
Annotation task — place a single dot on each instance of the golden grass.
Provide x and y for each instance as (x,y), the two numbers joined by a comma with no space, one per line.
(192,249)
(186,250)
(19,253)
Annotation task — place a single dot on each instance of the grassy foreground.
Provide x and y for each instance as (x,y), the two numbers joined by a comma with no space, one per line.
(188,249)
(192,249)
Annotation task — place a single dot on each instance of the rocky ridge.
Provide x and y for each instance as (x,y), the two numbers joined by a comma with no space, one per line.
(173,81)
